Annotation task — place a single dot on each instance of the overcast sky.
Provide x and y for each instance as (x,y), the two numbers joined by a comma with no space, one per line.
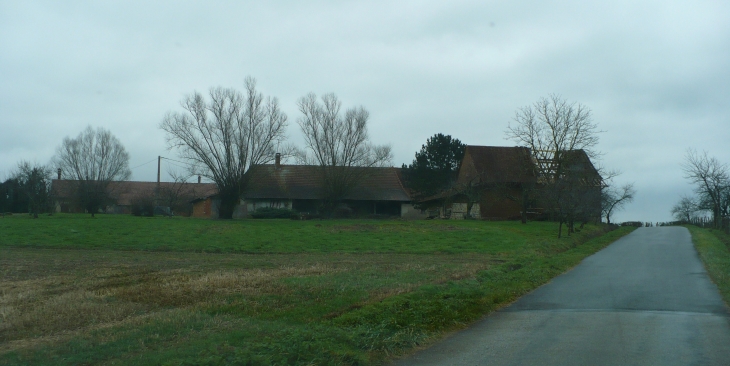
(656,74)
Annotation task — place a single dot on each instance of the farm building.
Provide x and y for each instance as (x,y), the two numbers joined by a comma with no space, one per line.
(494,183)
(500,183)
(489,185)
(298,187)
(123,196)
(495,177)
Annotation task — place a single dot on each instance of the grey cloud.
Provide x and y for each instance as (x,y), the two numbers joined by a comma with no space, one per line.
(654,73)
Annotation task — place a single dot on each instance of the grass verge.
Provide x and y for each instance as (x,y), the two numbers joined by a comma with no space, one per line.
(713,247)
(349,298)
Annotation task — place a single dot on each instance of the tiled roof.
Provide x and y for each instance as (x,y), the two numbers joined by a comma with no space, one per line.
(267,182)
(303,182)
(579,161)
(575,161)
(127,191)
(501,164)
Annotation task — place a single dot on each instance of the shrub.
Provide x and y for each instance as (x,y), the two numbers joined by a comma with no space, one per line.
(343,212)
(143,206)
(273,213)
(305,216)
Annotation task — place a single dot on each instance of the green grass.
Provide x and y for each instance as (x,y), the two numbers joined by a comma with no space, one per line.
(130,290)
(713,247)
(266,236)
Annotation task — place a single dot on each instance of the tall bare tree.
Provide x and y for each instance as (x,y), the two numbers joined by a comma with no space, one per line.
(338,144)
(711,179)
(94,159)
(227,135)
(613,199)
(34,181)
(558,132)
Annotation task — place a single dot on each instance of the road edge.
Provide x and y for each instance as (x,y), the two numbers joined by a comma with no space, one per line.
(713,248)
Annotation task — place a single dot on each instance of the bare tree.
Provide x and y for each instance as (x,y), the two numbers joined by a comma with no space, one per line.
(711,181)
(574,197)
(226,136)
(34,181)
(685,209)
(553,126)
(561,136)
(613,199)
(94,159)
(338,144)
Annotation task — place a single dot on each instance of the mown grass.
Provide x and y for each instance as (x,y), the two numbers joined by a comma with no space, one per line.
(339,295)
(713,247)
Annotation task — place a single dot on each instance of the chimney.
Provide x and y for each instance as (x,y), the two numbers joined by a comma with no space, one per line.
(198,179)
(59,173)
(278,161)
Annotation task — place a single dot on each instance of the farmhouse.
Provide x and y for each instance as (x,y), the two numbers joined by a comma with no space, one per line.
(298,187)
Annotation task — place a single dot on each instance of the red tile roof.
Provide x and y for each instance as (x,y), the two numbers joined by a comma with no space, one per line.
(303,182)
(500,164)
(127,191)
(267,182)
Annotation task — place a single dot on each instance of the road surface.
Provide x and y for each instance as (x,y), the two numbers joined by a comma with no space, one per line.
(644,300)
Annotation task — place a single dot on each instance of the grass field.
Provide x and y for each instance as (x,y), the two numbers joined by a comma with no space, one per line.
(130,290)
(713,247)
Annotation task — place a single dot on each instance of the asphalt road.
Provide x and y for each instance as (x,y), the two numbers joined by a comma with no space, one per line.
(644,300)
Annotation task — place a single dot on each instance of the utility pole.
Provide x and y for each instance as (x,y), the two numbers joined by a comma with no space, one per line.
(157,190)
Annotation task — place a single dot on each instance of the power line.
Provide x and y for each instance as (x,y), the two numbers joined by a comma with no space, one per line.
(177,165)
(177,161)
(142,164)
(187,165)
